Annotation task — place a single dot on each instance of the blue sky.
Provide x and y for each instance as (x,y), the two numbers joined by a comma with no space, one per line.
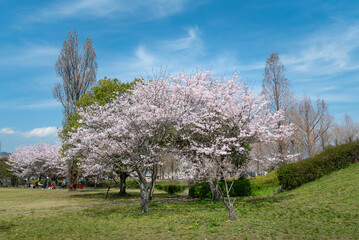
(318,42)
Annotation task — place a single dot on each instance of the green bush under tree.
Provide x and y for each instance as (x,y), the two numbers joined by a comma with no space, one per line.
(241,187)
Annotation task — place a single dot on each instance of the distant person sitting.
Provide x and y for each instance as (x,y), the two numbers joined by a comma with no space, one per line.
(45,183)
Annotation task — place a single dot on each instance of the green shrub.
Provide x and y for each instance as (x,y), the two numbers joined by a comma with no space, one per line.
(270,179)
(241,187)
(334,158)
(90,183)
(171,188)
(35,181)
(99,184)
(201,191)
(264,185)
(132,184)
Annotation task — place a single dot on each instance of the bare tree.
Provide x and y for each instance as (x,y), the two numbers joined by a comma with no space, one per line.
(276,85)
(77,68)
(346,132)
(312,122)
(276,88)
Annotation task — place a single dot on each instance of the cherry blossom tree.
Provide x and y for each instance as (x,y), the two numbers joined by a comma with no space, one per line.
(38,160)
(220,129)
(208,122)
(97,155)
(277,90)
(135,126)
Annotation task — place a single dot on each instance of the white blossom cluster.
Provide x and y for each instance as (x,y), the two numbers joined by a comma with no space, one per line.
(213,118)
(39,160)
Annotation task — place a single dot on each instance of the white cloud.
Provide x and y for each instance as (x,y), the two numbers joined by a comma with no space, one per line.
(34,133)
(326,52)
(41,132)
(191,41)
(87,7)
(40,105)
(171,54)
(136,9)
(24,104)
(7,131)
(144,58)
(29,56)
(327,89)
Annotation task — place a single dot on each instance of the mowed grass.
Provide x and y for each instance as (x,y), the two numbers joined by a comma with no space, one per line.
(20,200)
(325,209)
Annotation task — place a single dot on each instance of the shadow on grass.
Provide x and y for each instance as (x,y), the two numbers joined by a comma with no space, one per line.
(114,195)
(133,211)
(266,199)
(5,226)
(100,195)
(127,211)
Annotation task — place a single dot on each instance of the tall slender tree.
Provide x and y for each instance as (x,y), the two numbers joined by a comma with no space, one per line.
(77,68)
(276,88)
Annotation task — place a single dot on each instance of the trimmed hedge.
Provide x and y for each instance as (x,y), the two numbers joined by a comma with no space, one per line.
(201,191)
(132,184)
(334,158)
(171,188)
(241,187)
(261,183)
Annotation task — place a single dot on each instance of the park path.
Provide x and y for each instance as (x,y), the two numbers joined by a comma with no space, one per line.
(161,200)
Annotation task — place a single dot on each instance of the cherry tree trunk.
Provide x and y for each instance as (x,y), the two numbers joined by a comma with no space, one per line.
(232,214)
(153,182)
(144,196)
(72,175)
(215,188)
(123,177)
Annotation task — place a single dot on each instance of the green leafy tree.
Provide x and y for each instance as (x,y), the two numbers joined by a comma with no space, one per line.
(103,92)
(5,174)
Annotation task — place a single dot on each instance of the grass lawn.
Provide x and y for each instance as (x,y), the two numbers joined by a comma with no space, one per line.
(19,200)
(325,209)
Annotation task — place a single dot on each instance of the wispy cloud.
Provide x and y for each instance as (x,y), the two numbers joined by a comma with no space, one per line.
(172,54)
(7,131)
(34,133)
(29,56)
(144,58)
(328,51)
(149,9)
(40,105)
(65,9)
(41,132)
(191,41)
(21,105)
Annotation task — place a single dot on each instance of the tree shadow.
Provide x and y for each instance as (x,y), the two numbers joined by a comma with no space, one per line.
(111,196)
(266,199)
(124,211)
(6,227)
(114,195)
